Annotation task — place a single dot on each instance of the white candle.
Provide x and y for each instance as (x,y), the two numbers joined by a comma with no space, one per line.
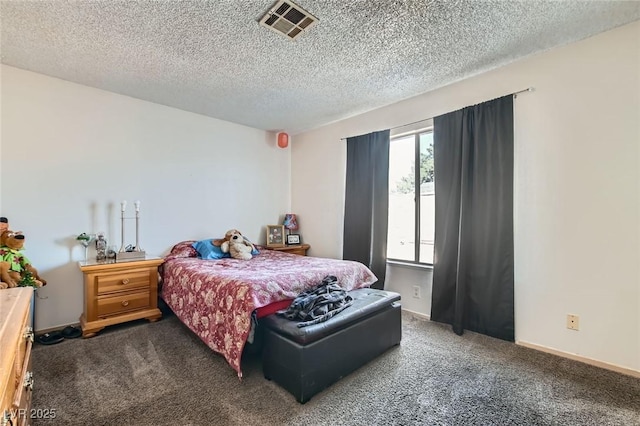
(123,205)
(137,204)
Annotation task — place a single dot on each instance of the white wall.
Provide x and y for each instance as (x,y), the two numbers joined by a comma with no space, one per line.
(577,191)
(70,153)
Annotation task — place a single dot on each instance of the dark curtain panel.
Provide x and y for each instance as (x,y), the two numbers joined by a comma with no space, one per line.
(367,202)
(473,265)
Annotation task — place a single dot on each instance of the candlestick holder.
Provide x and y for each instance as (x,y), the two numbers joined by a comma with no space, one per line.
(128,252)
(137,247)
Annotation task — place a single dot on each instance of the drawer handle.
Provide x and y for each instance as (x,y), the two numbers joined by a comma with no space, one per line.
(6,419)
(28,380)
(125,281)
(28,333)
(125,303)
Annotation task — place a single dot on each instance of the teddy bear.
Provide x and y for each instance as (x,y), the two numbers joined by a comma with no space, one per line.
(15,267)
(236,245)
(4,270)
(4,266)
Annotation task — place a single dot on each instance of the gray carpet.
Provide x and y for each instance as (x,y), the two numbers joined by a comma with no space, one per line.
(161,374)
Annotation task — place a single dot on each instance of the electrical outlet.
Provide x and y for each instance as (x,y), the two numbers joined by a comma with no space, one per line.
(416,291)
(573,322)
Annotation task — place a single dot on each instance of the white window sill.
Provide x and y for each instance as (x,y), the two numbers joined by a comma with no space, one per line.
(411,265)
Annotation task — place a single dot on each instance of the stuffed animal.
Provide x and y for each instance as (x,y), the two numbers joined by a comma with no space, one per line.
(227,236)
(4,266)
(4,270)
(15,268)
(236,245)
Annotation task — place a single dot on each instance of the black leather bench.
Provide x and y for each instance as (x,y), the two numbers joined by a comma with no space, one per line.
(306,360)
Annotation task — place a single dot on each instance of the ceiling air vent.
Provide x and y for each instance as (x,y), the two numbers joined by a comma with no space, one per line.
(287,18)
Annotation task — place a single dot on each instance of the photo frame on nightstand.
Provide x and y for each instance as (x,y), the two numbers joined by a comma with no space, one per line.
(275,236)
(293,239)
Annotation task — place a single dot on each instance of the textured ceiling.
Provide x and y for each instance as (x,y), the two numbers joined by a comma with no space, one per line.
(214,58)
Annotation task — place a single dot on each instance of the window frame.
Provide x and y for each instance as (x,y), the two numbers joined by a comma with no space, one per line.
(416,195)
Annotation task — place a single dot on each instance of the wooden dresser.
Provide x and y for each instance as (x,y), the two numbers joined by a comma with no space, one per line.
(119,292)
(16,340)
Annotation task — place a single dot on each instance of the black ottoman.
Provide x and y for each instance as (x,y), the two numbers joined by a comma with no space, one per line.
(306,360)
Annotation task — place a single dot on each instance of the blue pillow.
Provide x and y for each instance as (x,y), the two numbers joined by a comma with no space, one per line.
(206,250)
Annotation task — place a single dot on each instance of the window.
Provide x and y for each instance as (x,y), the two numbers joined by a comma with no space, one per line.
(411,197)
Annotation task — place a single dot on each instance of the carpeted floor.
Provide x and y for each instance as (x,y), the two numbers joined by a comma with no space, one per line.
(161,374)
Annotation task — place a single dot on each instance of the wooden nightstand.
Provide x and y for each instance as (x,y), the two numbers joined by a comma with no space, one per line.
(300,249)
(119,292)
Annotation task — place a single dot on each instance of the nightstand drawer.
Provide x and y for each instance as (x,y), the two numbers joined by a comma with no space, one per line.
(108,283)
(116,305)
(299,251)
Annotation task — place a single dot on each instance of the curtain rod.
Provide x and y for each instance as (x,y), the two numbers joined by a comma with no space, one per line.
(515,94)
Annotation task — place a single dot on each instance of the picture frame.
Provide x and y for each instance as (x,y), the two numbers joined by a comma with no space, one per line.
(293,239)
(275,236)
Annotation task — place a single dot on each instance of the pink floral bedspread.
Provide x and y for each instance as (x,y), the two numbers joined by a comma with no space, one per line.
(215,298)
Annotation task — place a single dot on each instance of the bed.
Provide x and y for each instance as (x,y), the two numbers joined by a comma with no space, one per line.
(216,299)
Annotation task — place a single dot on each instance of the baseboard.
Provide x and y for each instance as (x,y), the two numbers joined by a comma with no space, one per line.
(580,358)
(57,328)
(417,314)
